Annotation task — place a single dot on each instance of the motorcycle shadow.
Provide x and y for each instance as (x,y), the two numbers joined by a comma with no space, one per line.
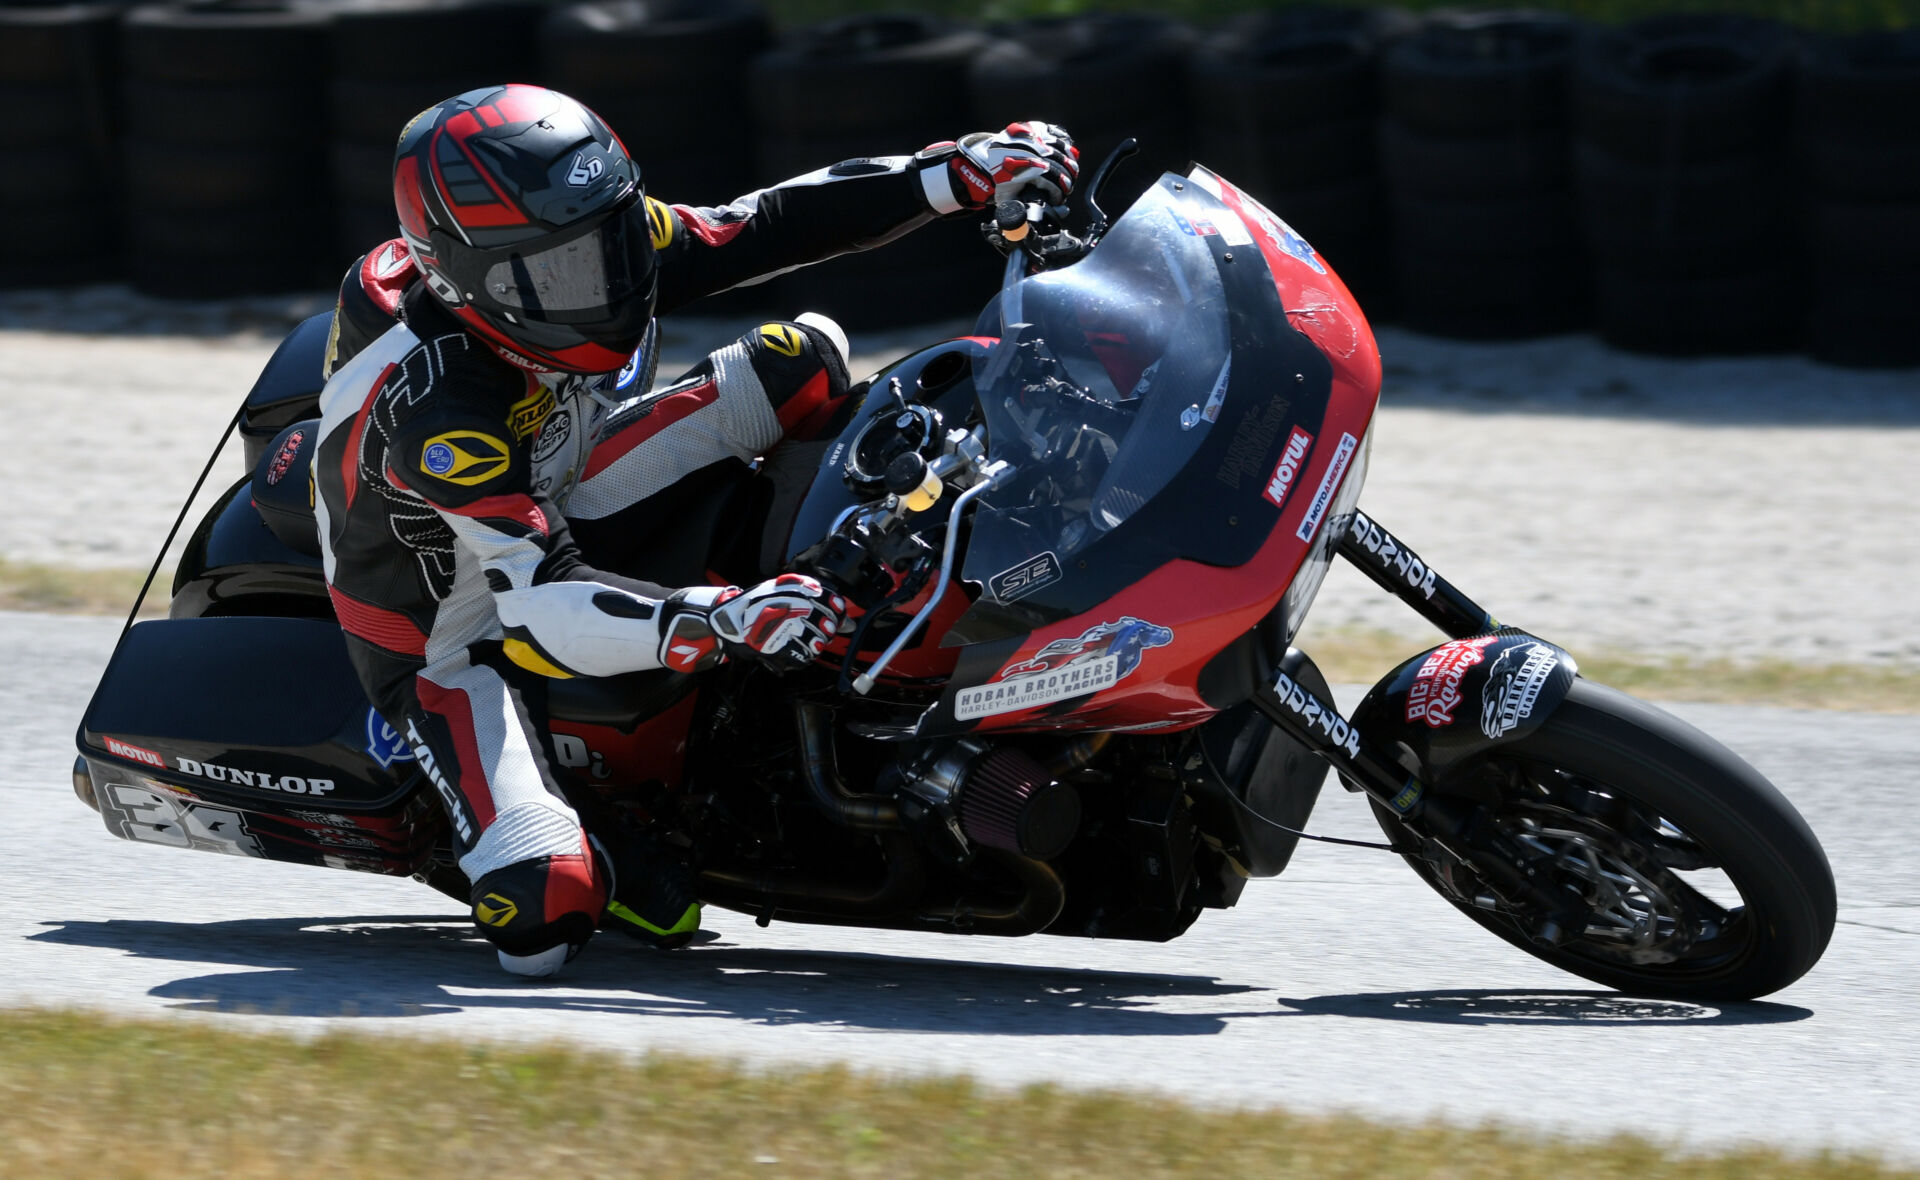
(1482,1008)
(425,966)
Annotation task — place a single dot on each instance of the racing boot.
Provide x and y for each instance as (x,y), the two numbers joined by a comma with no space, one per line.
(652,896)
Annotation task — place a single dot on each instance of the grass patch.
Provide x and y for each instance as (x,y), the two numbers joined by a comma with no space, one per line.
(90,1096)
(1828,15)
(1362,657)
(28,586)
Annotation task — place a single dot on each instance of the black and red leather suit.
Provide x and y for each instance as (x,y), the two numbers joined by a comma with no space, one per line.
(446,479)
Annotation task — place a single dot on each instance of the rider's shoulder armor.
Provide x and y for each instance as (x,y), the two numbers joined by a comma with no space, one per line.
(369,301)
(457,417)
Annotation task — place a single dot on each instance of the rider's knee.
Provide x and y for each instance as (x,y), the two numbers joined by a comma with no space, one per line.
(539,913)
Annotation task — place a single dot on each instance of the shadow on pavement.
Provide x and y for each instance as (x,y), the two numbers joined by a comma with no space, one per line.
(1476,1007)
(413,966)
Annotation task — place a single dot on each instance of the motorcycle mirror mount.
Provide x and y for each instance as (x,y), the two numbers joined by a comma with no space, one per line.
(1097,219)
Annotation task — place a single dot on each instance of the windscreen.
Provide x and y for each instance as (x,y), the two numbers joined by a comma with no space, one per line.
(1107,377)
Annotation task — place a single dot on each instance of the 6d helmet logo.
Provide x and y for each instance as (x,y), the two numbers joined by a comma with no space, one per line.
(585,171)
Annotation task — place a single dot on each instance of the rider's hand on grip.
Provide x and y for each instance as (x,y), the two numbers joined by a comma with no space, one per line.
(1027,161)
(786,623)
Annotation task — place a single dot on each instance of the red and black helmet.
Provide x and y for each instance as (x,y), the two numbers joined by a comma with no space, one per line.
(528,220)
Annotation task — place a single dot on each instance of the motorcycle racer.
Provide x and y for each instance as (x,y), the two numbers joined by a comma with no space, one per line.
(482,401)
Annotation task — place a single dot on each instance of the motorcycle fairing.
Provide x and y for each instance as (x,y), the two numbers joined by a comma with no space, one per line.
(1441,707)
(1206,575)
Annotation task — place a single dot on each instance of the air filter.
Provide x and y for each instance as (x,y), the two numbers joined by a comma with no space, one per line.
(1010,802)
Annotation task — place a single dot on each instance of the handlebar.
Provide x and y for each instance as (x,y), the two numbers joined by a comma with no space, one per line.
(1040,230)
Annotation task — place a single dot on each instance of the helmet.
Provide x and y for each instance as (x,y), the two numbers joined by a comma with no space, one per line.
(529,223)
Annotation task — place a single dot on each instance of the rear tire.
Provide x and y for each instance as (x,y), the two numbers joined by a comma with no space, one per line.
(1602,738)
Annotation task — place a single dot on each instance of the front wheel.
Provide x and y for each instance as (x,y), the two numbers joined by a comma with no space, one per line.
(1701,881)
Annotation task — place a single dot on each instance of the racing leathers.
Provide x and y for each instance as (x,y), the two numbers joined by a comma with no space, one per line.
(446,479)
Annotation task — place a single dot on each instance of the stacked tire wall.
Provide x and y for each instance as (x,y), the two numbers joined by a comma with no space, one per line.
(671,77)
(1858,139)
(58,167)
(1473,140)
(392,59)
(861,87)
(1685,185)
(223,105)
(1286,105)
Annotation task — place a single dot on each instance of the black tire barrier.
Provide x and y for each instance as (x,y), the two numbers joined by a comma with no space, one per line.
(1857,134)
(1103,78)
(1865,322)
(1690,88)
(1690,219)
(388,61)
(1686,186)
(670,77)
(1756,311)
(1285,104)
(273,42)
(1864,282)
(1866,85)
(1489,268)
(894,83)
(224,103)
(57,145)
(1473,145)
(1519,162)
(61,243)
(1475,74)
(873,86)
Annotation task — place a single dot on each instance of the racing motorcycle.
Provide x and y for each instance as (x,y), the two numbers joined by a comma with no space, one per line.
(1079,543)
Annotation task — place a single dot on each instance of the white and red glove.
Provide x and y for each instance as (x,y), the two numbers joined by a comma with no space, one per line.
(1027,161)
(786,623)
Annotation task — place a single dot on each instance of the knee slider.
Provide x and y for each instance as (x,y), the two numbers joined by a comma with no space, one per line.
(531,908)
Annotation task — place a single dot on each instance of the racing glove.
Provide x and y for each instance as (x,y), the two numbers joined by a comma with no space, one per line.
(785,623)
(1027,161)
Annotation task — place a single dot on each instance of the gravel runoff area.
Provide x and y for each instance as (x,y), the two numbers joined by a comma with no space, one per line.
(1754,508)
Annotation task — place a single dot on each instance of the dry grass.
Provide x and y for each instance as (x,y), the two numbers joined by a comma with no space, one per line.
(85,1096)
(1362,657)
(27,586)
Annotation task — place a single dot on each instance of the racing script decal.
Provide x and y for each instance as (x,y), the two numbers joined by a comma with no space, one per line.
(1098,658)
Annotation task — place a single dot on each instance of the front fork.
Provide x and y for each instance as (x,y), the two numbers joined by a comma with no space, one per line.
(1457,825)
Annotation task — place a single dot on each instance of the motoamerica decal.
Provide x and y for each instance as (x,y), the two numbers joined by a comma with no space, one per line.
(1512,691)
(384,743)
(1098,658)
(1435,692)
(1329,483)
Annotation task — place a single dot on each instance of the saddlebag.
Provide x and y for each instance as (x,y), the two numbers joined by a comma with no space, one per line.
(251,736)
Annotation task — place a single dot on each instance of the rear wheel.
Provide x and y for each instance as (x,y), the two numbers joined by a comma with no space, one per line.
(1702,881)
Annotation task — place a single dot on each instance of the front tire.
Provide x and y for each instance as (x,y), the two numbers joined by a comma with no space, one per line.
(1638,810)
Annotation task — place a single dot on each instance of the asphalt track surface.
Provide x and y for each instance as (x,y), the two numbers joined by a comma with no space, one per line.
(1344,984)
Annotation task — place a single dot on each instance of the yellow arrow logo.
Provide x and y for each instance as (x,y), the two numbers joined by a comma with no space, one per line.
(494,910)
(782,339)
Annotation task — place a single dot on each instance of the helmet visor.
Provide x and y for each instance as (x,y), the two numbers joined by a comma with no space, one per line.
(588,278)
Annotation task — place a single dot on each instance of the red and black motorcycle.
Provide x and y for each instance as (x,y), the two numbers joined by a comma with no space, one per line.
(1081,543)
